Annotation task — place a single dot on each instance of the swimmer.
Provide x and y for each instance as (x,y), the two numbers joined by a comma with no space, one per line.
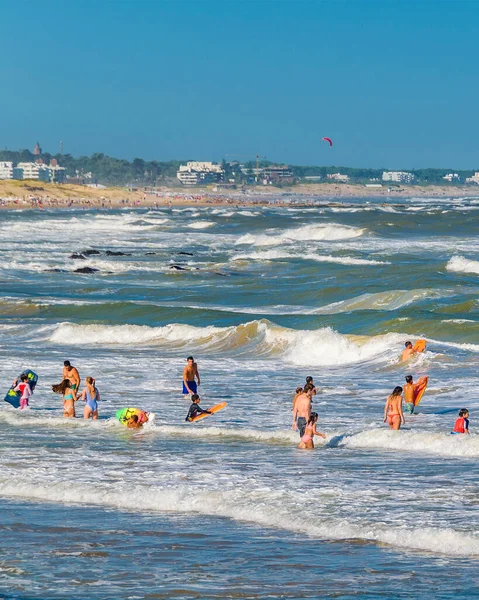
(302,409)
(309,380)
(306,442)
(298,392)
(407,352)
(409,390)
(393,414)
(24,388)
(72,374)
(462,422)
(195,408)
(133,422)
(69,397)
(189,374)
(91,396)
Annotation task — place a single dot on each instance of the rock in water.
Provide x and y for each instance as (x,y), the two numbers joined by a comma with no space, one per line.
(86,270)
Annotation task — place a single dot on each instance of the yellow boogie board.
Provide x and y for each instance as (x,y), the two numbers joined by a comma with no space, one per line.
(420,346)
(213,409)
(420,386)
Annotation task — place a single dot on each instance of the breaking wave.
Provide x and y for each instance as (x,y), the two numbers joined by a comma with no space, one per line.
(459,264)
(319,232)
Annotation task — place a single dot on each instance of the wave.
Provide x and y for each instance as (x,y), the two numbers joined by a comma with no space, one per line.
(201,224)
(251,505)
(319,232)
(459,264)
(281,254)
(441,444)
(390,300)
(322,346)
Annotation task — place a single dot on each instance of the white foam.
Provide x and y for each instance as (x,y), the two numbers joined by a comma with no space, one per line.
(257,505)
(441,444)
(318,232)
(459,264)
(201,224)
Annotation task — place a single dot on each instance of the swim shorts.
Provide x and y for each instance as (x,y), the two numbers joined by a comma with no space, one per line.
(192,386)
(409,407)
(301,425)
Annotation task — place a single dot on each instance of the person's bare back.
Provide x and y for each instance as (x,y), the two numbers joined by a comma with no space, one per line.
(303,405)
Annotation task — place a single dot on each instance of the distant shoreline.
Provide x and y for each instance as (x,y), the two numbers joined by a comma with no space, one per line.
(17,195)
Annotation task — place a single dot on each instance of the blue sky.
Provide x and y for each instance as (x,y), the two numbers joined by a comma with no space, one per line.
(393,83)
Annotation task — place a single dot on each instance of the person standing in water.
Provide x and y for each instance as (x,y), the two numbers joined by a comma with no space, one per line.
(190,373)
(462,422)
(407,352)
(302,409)
(71,373)
(24,388)
(306,442)
(69,397)
(91,396)
(393,413)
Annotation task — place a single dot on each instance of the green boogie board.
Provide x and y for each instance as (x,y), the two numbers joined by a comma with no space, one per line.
(13,397)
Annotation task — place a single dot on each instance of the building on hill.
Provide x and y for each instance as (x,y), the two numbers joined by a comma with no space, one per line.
(277,174)
(39,172)
(37,150)
(452,177)
(474,178)
(197,172)
(338,177)
(398,176)
(6,169)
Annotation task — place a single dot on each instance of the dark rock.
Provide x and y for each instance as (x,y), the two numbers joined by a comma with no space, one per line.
(112,253)
(186,253)
(86,270)
(56,270)
(178,268)
(150,253)
(77,256)
(90,252)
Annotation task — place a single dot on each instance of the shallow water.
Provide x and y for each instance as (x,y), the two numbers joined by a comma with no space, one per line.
(269,295)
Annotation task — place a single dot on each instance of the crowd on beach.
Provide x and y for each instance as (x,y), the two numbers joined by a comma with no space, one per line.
(304,418)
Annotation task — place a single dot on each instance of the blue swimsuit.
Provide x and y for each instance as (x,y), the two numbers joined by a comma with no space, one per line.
(91,402)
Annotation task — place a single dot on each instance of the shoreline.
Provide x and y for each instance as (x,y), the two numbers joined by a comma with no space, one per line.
(19,195)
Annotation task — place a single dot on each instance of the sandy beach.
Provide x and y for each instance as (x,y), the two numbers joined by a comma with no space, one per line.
(33,194)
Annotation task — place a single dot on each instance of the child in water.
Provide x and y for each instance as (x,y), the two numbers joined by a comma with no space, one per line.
(462,422)
(24,388)
(195,408)
(91,396)
(306,442)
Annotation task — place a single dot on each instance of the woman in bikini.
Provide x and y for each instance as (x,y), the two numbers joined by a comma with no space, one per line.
(393,414)
(306,442)
(91,396)
(69,397)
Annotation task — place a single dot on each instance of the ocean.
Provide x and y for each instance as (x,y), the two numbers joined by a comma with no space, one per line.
(229,507)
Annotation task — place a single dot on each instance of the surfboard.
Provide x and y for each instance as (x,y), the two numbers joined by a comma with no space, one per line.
(419,346)
(124,414)
(12,396)
(213,409)
(421,386)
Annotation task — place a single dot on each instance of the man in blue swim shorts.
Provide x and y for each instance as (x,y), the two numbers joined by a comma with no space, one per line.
(190,372)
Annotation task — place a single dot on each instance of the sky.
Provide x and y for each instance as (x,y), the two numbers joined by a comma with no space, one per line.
(394,83)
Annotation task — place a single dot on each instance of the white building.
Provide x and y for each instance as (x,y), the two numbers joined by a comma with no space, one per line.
(474,178)
(451,177)
(398,176)
(337,177)
(30,170)
(195,172)
(6,169)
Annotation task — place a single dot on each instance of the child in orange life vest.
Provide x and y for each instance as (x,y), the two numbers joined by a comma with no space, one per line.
(462,422)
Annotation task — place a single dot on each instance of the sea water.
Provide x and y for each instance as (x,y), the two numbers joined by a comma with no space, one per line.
(229,507)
